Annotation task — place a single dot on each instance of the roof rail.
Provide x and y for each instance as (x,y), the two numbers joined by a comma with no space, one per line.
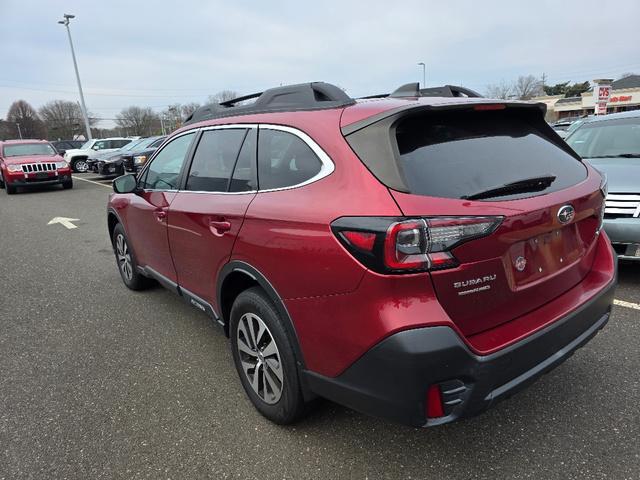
(414,90)
(303,96)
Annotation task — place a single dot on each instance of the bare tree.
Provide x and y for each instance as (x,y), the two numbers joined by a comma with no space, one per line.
(138,121)
(63,119)
(223,96)
(527,87)
(21,112)
(7,130)
(188,109)
(628,74)
(502,90)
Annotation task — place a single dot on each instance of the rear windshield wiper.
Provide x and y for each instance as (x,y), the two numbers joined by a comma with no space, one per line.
(624,155)
(533,184)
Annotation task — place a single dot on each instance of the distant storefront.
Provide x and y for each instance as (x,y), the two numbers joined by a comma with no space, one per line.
(625,95)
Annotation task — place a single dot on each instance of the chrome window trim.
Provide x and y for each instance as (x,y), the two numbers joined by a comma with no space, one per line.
(327,166)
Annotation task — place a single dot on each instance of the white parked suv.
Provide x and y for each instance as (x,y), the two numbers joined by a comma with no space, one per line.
(77,158)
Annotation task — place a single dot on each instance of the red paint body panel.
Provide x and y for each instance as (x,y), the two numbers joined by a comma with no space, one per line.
(199,249)
(557,256)
(145,221)
(292,227)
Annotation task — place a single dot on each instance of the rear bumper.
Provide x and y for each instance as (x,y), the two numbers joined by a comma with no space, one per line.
(392,378)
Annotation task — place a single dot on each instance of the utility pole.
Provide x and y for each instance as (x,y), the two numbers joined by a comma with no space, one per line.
(424,74)
(65,22)
(544,80)
(19,131)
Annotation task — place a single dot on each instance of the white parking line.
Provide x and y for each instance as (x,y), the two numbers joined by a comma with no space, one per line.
(622,303)
(91,181)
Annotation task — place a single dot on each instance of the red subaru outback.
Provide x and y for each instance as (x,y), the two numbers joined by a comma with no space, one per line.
(416,256)
(27,163)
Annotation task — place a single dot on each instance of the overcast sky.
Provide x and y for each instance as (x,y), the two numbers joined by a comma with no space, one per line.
(158,53)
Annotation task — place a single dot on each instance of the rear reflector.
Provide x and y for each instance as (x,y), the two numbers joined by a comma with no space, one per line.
(434,402)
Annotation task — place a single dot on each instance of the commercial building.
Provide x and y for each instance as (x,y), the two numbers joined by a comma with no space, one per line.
(625,95)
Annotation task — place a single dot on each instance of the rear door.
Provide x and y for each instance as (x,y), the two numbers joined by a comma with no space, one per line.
(206,216)
(498,162)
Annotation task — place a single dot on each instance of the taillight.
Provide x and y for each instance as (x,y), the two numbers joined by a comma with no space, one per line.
(405,245)
(397,245)
(604,189)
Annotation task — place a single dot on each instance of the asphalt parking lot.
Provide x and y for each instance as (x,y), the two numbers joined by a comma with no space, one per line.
(97,381)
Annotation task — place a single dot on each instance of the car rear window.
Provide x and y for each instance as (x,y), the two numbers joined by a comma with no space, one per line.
(460,153)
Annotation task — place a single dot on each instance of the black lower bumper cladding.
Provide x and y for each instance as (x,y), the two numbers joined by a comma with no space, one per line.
(391,379)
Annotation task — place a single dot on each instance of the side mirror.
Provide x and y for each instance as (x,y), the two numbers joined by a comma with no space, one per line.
(126,184)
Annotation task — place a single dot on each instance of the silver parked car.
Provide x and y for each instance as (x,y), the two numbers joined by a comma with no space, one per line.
(611,143)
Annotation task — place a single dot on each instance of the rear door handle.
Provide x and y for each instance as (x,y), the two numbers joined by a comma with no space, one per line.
(218,227)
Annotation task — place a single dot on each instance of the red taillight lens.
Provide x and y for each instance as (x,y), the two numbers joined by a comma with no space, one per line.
(435,408)
(362,240)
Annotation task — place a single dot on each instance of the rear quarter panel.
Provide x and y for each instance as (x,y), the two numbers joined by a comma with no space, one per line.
(286,234)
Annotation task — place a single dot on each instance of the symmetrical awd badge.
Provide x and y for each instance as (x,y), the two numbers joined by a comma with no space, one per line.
(566,214)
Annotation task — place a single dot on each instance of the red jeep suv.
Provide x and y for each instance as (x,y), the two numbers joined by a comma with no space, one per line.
(416,256)
(27,163)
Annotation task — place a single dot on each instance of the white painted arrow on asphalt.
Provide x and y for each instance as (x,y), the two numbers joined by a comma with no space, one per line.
(64,221)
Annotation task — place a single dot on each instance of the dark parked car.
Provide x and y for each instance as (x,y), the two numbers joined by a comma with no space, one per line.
(418,256)
(135,159)
(62,146)
(611,143)
(112,163)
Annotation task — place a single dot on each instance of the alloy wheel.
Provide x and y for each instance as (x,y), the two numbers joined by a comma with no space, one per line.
(260,358)
(124,257)
(81,166)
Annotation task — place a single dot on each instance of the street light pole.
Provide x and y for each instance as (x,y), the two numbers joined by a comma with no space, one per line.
(424,74)
(65,22)
(19,131)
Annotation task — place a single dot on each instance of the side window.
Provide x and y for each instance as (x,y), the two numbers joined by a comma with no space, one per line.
(244,173)
(214,159)
(284,160)
(119,143)
(100,145)
(164,171)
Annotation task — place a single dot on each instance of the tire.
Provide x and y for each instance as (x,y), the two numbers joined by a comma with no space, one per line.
(1,181)
(253,312)
(10,189)
(126,261)
(79,165)
(67,185)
